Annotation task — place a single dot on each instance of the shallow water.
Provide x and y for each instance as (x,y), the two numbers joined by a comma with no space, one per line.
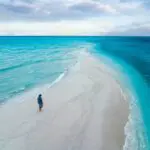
(27,62)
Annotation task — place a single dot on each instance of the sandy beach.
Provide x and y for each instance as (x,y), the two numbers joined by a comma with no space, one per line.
(86,110)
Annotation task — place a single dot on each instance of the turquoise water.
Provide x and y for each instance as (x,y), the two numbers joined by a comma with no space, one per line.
(133,54)
(27,62)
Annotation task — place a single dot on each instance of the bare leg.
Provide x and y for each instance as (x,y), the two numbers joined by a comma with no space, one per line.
(39,109)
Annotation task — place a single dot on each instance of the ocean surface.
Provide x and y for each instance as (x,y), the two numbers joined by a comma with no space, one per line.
(27,63)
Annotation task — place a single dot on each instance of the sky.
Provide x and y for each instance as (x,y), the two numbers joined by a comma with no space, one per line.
(75,17)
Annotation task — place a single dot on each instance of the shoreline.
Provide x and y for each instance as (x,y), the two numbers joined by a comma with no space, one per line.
(85,110)
(31,92)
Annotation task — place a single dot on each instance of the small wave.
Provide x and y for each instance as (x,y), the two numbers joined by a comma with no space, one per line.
(13,93)
(20,65)
(58,79)
(134,129)
(21,89)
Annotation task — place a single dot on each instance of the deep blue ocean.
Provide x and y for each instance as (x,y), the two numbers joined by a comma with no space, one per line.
(31,61)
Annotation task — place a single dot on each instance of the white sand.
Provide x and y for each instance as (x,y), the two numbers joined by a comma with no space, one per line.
(86,110)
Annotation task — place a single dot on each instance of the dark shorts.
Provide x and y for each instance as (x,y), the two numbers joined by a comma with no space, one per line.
(40,105)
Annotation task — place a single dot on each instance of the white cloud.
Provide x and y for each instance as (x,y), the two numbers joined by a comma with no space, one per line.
(88,27)
(134,29)
(69,17)
(108,8)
